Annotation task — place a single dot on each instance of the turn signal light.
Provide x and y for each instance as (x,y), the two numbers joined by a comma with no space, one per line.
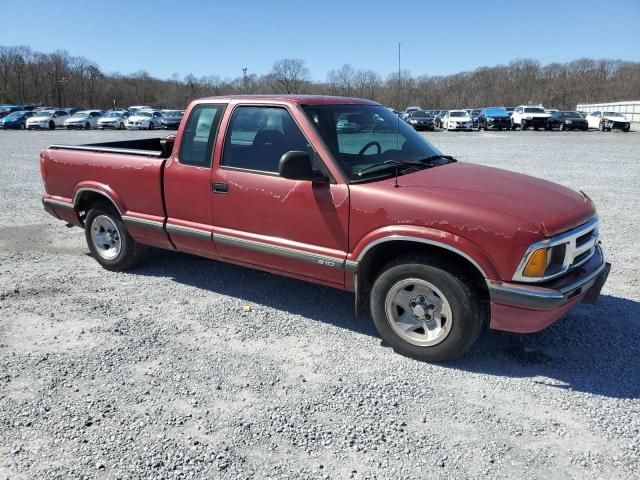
(537,264)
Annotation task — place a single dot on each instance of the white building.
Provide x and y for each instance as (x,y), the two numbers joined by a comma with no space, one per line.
(631,109)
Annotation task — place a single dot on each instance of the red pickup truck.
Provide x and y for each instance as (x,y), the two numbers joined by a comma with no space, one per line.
(339,192)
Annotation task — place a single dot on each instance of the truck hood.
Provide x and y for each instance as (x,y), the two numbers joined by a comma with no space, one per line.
(547,206)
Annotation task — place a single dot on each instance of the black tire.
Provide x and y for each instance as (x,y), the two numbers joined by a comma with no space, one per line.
(131,252)
(22,126)
(467,317)
(87,126)
(52,125)
(523,125)
(121,126)
(562,127)
(626,128)
(150,127)
(602,127)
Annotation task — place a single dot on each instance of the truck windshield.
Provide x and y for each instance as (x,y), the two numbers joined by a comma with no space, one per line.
(380,136)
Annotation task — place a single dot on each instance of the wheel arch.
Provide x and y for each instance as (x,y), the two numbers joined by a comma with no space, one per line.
(86,196)
(377,254)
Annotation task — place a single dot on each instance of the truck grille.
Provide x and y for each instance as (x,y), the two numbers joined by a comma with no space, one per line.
(582,246)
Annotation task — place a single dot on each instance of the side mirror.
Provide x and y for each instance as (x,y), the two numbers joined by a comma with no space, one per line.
(296,165)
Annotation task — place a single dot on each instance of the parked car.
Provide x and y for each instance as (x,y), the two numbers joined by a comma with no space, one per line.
(568,121)
(494,118)
(17,120)
(8,109)
(438,120)
(134,108)
(438,248)
(510,110)
(85,119)
(525,116)
(607,121)
(551,111)
(457,120)
(420,120)
(47,119)
(171,119)
(407,111)
(475,114)
(116,119)
(144,120)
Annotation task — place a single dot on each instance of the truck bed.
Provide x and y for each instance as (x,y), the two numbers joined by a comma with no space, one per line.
(129,173)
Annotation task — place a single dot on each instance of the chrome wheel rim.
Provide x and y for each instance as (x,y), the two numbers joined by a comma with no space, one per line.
(105,237)
(418,312)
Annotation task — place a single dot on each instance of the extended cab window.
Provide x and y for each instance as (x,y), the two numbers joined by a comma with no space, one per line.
(199,135)
(258,136)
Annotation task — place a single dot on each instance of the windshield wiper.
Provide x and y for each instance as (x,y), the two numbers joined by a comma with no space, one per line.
(435,157)
(392,164)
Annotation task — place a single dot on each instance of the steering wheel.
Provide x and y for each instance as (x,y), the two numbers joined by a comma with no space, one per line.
(370,144)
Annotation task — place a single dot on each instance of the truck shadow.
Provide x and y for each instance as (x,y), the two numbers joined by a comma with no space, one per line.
(594,349)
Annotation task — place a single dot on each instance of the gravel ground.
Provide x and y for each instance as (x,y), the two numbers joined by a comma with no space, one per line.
(189,368)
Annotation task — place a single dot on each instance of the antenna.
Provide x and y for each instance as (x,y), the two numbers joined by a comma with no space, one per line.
(398,118)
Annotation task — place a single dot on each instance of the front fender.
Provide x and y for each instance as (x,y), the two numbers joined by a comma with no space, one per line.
(426,235)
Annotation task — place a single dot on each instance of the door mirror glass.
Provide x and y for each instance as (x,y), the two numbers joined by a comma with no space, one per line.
(296,165)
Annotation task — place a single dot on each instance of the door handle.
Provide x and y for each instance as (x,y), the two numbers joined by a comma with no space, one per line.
(220,187)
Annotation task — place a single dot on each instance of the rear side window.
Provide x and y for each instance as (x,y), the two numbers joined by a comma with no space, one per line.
(258,136)
(199,135)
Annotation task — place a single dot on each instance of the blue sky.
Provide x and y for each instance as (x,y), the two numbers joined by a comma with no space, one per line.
(220,38)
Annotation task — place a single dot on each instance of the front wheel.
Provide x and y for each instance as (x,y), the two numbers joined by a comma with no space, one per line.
(150,126)
(52,125)
(121,126)
(424,310)
(108,239)
(523,125)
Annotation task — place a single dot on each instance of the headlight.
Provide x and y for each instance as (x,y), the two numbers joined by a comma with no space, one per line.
(545,261)
(569,121)
(528,118)
(490,119)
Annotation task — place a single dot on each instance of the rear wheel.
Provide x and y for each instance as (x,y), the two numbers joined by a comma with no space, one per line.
(22,126)
(626,128)
(108,239)
(602,127)
(523,125)
(424,310)
(52,125)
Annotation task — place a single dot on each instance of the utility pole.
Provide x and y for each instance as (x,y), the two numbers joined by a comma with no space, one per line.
(399,78)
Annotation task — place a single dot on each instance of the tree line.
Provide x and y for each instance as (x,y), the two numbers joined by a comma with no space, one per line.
(59,79)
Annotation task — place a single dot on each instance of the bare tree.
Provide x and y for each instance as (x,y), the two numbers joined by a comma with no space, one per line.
(290,73)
